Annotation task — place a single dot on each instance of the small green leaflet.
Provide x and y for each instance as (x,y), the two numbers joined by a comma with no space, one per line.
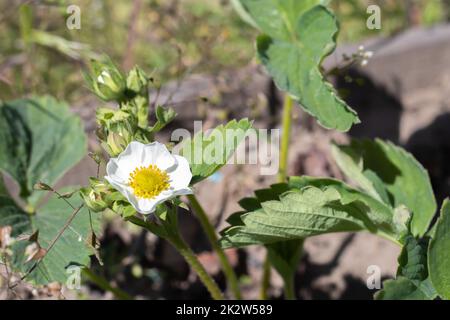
(208,152)
(413,281)
(39,141)
(439,253)
(296,37)
(389,174)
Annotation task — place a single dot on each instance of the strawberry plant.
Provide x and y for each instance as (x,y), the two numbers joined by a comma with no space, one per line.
(387,192)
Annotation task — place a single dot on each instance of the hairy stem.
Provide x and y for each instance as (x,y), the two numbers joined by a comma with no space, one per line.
(265,282)
(212,236)
(169,231)
(286,132)
(105,285)
(289,291)
(282,174)
(192,260)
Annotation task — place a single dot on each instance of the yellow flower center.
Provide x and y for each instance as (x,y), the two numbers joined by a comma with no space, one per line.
(148,182)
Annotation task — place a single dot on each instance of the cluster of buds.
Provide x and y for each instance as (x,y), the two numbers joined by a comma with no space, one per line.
(118,127)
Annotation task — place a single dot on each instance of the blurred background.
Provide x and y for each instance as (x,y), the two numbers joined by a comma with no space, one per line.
(200,55)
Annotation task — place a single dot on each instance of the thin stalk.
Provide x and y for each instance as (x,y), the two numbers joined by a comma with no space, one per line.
(286,133)
(171,233)
(192,260)
(213,239)
(105,285)
(289,291)
(265,281)
(282,174)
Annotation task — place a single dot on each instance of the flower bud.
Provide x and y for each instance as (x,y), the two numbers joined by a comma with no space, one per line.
(115,144)
(106,81)
(137,81)
(93,200)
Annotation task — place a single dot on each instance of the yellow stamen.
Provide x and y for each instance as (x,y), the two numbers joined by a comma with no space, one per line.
(148,182)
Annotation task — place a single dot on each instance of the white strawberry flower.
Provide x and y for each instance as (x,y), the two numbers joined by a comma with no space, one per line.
(148,174)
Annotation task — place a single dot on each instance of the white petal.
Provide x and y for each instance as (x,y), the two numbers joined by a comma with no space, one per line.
(117,173)
(157,153)
(181,176)
(131,157)
(146,206)
(182,192)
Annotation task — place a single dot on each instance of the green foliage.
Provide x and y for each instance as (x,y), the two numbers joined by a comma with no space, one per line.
(207,153)
(412,282)
(402,289)
(439,253)
(297,36)
(39,141)
(297,214)
(392,175)
(72,249)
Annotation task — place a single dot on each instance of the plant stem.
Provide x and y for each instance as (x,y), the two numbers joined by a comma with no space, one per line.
(282,174)
(265,282)
(190,258)
(286,132)
(169,231)
(105,285)
(289,292)
(212,236)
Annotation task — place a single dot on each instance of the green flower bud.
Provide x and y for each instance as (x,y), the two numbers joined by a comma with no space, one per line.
(93,200)
(123,208)
(106,81)
(115,144)
(100,186)
(107,118)
(137,81)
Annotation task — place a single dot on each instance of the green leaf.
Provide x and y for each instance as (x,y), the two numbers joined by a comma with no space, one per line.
(70,250)
(413,282)
(439,253)
(297,36)
(297,215)
(207,153)
(413,259)
(390,174)
(401,289)
(39,141)
(377,213)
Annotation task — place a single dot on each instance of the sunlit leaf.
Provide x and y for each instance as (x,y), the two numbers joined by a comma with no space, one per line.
(390,174)
(209,152)
(296,37)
